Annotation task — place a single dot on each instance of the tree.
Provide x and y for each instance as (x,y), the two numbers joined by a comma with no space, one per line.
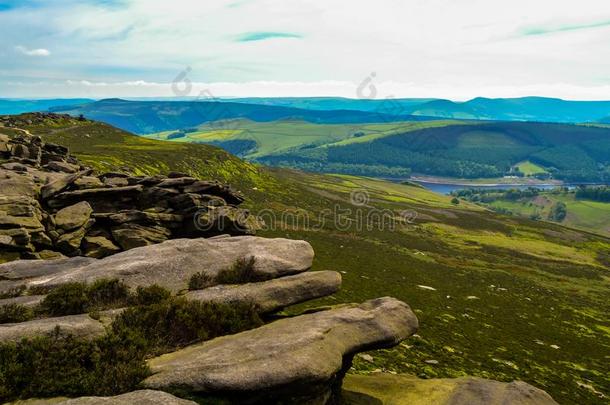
(455,201)
(558,212)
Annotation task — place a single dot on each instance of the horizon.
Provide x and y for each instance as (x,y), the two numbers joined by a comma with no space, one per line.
(212,99)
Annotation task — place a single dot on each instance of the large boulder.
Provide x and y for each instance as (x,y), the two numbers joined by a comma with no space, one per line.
(61,183)
(142,397)
(69,243)
(99,247)
(129,236)
(105,199)
(15,184)
(59,166)
(169,264)
(409,390)
(74,216)
(272,295)
(21,223)
(300,359)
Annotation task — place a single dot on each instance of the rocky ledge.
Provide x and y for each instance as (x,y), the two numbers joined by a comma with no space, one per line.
(170,264)
(301,359)
(53,206)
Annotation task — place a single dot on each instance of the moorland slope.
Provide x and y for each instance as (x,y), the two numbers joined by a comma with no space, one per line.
(497,297)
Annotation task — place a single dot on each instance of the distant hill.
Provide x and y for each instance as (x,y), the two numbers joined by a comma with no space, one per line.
(394,106)
(113,111)
(446,148)
(15,106)
(517,109)
(144,117)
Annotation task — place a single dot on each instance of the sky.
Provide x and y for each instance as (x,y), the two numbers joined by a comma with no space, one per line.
(454,49)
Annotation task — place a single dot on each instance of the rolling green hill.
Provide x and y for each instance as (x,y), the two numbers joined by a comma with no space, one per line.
(143,117)
(497,296)
(462,149)
(377,144)
(270,138)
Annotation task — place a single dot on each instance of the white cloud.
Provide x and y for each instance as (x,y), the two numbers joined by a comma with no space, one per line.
(440,48)
(32,52)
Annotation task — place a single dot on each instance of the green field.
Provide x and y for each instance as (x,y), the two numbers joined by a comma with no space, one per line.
(587,215)
(446,148)
(529,169)
(286,135)
(497,296)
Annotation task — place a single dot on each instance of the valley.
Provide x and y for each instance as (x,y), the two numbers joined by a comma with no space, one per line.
(371,143)
(497,296)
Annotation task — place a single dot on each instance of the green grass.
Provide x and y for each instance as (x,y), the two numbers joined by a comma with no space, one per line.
(279,136)
(536,284)
(529,169)
(587,215)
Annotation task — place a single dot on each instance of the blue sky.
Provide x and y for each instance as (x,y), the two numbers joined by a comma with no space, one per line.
(455,49)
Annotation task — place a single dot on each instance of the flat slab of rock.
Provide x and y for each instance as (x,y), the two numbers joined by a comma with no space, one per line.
(304,354)
(142,397)
(35,272)
(82,326)
(410,390)
(169,264)
(273,295)
(29,301)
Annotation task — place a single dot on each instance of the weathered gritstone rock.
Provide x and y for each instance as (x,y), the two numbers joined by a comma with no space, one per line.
(29,301)
(74,216)
(169,264)
(99,247)
(409,390)
(81,326)
(142,397)
(60,184)
(58,196)
(27,270)
(298,359)
(273,295)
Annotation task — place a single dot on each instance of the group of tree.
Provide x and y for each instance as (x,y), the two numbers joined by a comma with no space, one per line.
(489,195)
(595,193)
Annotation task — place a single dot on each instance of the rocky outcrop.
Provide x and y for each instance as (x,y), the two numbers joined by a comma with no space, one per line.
(48,201)
(169,264)
(298,360)
(142,397)
(273,295)
(410,390)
